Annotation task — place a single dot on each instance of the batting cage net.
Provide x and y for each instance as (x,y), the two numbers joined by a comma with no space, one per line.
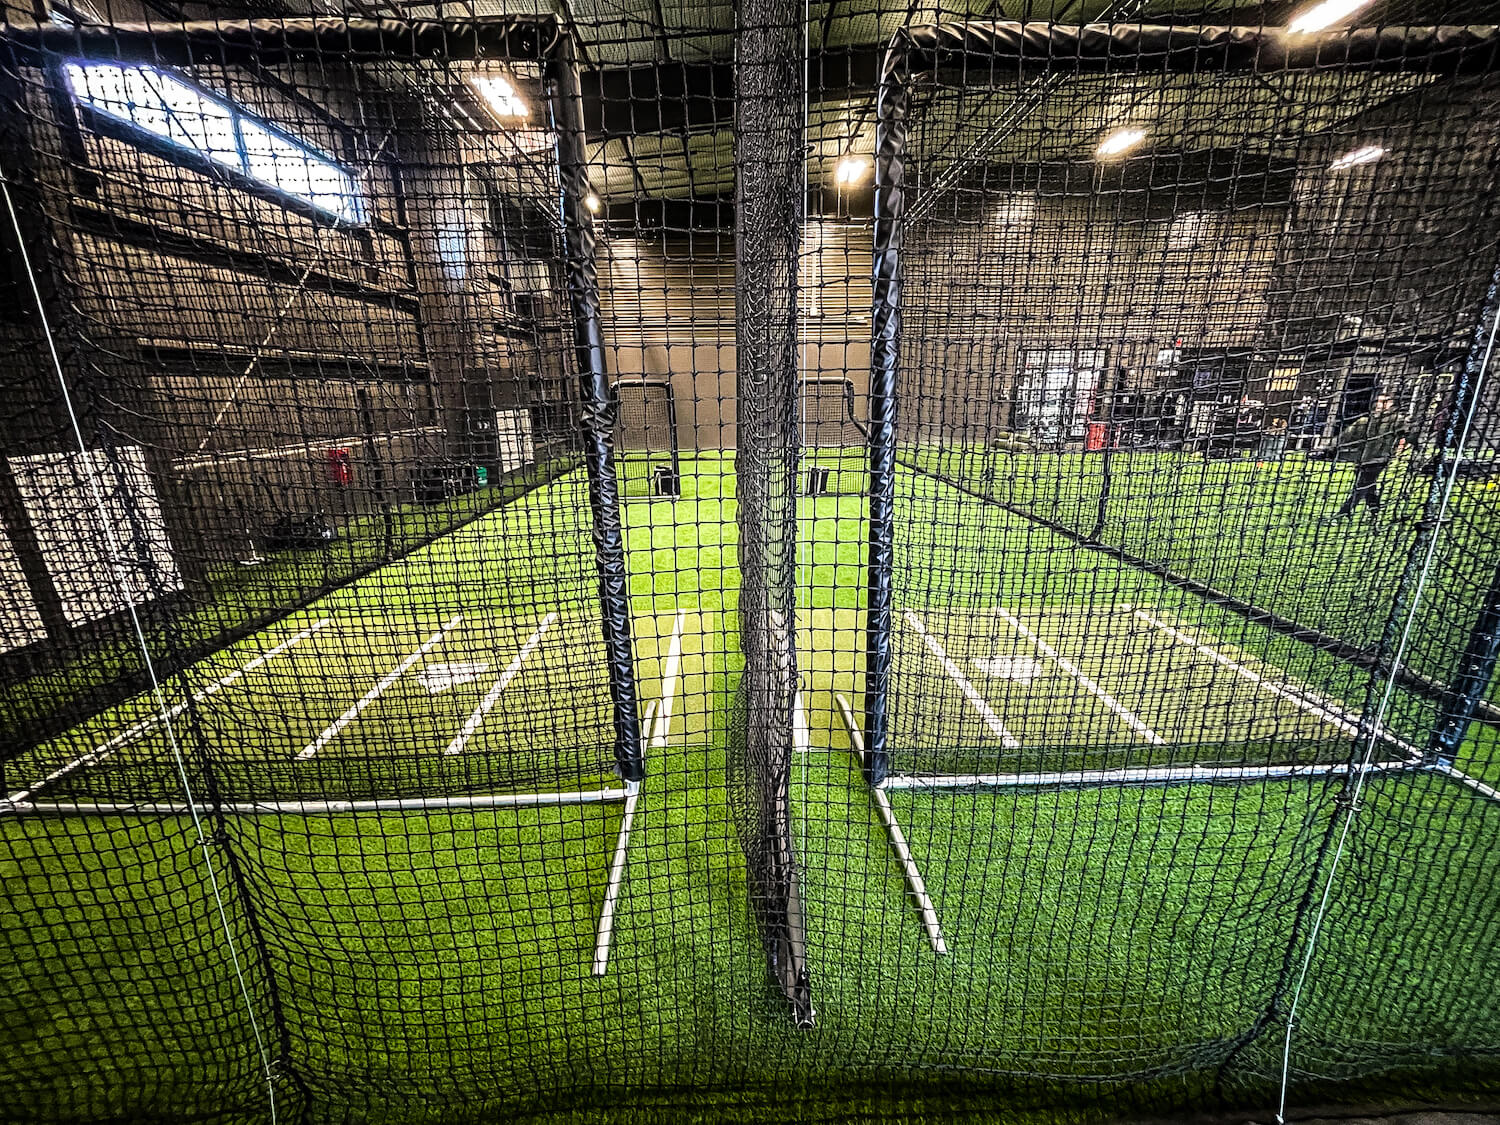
(830,562)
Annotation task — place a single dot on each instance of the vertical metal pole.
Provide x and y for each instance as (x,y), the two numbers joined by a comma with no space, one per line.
(566,106)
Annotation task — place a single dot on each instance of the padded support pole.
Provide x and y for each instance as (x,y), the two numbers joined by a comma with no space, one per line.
(566,107)
(885,356)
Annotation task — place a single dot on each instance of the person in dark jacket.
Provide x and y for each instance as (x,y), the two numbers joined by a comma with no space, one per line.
(1369,444)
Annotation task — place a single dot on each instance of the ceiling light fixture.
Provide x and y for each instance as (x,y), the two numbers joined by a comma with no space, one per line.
(1366,155)
(500,95)
(591,201)
(1322,15)
(851,169)
(1121,140)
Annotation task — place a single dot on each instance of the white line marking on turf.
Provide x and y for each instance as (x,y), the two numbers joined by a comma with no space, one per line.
(670,674)
(1018,669)
(976,700)
(1308,700)
(331,731)
(461,739)
(914,881)
(438,678)
(131,733)
(616,875)
(1127,716)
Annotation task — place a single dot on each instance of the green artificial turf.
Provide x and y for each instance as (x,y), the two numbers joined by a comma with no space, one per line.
(1108,948)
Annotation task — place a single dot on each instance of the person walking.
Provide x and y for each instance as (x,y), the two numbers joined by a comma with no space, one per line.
(1369,443)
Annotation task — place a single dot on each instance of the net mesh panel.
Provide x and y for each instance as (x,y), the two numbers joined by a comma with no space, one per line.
(350,338)
(277,404)
(1135,361)
(646,451)
(835,442)
(768,213)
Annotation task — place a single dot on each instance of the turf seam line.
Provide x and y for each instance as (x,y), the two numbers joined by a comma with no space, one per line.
(331,731)
(130,734)
(1127,716)
(977,701)
(475,720)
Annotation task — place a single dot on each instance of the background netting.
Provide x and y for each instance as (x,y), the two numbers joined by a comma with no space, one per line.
(766,561)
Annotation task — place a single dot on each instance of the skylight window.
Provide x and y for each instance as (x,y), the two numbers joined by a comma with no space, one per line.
(160,104)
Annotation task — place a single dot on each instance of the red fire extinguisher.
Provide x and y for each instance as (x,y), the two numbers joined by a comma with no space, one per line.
(339,467)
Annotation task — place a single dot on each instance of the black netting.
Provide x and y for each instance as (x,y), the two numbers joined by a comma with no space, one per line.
(767,562)
(769,159)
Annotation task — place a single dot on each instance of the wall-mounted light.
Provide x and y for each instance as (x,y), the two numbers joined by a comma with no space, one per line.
(1120,141)
(850,170)
(500,95)
(1352,159)
(591,201)
(1322,15)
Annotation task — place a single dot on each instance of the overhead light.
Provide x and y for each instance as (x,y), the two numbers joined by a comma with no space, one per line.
(591,201)
(851,169)
(1322,15)
(1366,155)
(1121,140)
(500,95)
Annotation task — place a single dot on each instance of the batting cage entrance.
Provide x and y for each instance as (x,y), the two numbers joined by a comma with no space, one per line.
(699,561)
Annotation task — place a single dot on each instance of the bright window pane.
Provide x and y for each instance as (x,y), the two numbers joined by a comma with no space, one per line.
(163,105)
(289,167)
(197,122)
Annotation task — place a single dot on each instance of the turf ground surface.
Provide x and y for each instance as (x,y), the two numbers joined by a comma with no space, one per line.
(1119,941)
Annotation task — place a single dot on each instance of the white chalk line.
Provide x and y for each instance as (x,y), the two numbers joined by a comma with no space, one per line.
(977,701)
(1127,716)
(331,731)
(671,674)
(135,731)
(476,719)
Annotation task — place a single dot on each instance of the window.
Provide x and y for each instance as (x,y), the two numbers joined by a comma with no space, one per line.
(162,105)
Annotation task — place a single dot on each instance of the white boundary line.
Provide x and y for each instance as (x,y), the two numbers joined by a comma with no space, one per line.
(332,730)
(1308,700)
(281,808)
(1472,782)
(474,721)
(976,700)
(616,875)
(1141,775)
(135,731)
(914,881)
(1127,716)
(671,673)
